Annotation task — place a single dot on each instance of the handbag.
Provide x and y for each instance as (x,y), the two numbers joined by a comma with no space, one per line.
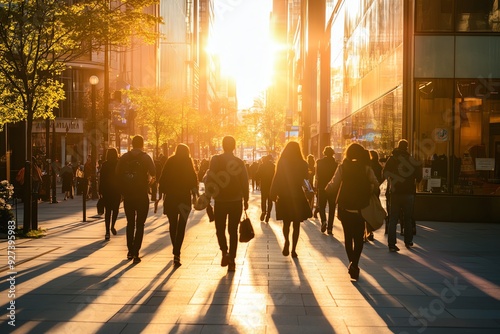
(374,213)
(246,229)
(100,206)
(308,189)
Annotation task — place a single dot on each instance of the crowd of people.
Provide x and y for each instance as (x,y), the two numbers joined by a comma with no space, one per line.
(296,187)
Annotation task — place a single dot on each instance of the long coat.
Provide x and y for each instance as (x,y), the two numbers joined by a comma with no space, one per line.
(286,190)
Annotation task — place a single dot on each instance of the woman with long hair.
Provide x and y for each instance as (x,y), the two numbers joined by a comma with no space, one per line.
(178,183)
(109,191)
(287,192)
(352,185)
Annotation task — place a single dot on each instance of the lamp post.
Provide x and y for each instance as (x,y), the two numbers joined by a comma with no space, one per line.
(94,80)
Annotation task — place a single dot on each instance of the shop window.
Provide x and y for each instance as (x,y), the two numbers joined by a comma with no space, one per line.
(477,15)
(434,122)
(434,15)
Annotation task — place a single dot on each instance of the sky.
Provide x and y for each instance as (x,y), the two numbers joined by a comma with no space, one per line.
(241,39)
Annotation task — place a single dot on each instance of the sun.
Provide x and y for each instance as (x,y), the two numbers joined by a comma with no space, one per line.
(242,41)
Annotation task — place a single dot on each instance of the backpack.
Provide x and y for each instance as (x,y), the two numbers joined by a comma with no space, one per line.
(133,176)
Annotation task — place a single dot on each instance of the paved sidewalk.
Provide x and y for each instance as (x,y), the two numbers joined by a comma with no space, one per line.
(72,281)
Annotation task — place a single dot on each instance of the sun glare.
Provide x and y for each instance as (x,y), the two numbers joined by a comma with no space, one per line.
(241,39)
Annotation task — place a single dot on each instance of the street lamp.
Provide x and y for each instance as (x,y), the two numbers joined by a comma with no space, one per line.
(94,80)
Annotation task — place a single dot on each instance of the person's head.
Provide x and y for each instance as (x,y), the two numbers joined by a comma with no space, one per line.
(403,145)
(356,152)
(138,142)
(182,150)
(111,154)
(311,160)
(292,151)
(228,144)
(328,151)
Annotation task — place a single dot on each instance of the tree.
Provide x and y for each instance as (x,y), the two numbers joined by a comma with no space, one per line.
(161,115)
(38,38)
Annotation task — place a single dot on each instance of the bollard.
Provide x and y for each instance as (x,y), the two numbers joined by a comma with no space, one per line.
(84,197)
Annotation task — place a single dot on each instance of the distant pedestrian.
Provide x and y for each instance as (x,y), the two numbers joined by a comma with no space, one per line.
(179,184)
(311,174)
(132,170)
(227,183)
(403,173)
(252,169)
(265,174)
(287,192)
(325,169)
(377,170)
(353,183)
(109,191)
(66,175)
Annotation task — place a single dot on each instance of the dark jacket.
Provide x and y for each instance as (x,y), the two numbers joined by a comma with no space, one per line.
(265,174)
(146,163)
(403,172)
(227,179)
(178,181)
(108,182)
(325,169)
(286,190)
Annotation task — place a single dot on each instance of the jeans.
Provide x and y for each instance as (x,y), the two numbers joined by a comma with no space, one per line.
(323,199)
(266,204)
(354,229)
(230,211)
(136,210)
(177,217)
(400,202)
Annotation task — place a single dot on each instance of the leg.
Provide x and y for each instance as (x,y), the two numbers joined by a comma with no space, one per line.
(269,208)
(142,215)
(408,219)
(234,217)
(348,234)
(358,230)
(331,213)
(286,233)
(220,213)
(394,212)
(107,217)
(129,209)
(322,198)
(173,223)
(295,237)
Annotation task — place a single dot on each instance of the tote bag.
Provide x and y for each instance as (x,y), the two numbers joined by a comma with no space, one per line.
(374,213)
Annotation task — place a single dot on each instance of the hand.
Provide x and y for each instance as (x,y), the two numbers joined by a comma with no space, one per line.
(245,205)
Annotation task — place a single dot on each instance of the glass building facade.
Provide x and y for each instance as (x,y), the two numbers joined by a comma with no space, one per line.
(427,71)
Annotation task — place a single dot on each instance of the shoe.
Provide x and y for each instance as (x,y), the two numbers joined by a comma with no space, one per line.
(129,256)
(113,230)
(106,237)
(353,272)
(177,261)
(262,216)
(330,232)
(370,236)
(286,250)
(294,254)
(225,260)
(137,259)
(267,219)
(231,266)
(393,248)
(409,244)
(71,197)
(323,227)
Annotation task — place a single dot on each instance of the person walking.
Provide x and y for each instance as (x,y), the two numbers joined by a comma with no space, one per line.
(109,191)
(132,170)
(287,192)
(377,170)
(403,173)
(265,174)
(352,185)
(227,182)
(325,169)
(178,183)
(66,175)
